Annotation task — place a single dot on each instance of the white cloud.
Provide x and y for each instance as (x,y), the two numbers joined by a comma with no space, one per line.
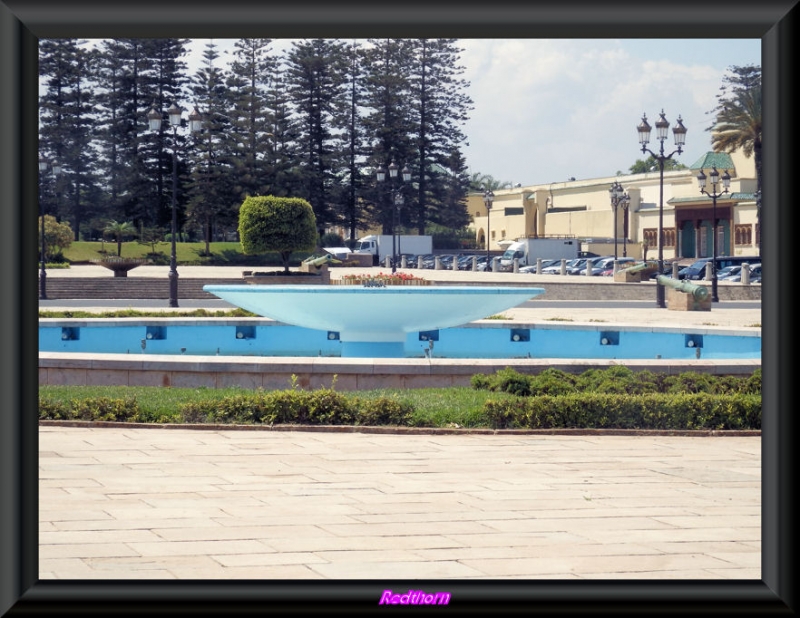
(548,110)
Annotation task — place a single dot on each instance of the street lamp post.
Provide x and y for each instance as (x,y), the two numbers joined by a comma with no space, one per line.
(679,131)
(618,198)
(397,203)
(625,204)
(726,183)
(488,198)
(56,169)
(175,120)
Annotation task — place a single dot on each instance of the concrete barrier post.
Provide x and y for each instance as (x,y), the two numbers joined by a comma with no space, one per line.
(474,263)
(419,262)
(516,265)
(563,266)
(745,274)
(388,261)
(404,262)
(709,271)
(538,266)
(455,263)
(675,269)
(437,263)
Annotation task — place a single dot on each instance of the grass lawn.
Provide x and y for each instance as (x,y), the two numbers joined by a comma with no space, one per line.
(187,253)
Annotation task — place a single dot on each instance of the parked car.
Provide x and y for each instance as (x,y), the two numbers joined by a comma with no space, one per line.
(411,260)
(697,270)
(575,266)
(755,275)
(728,271)
(598,264)
(608,269)
(531,268)
(666,271)
(481,265)
(555,269)
(447,261)
(428,260)
(465,261)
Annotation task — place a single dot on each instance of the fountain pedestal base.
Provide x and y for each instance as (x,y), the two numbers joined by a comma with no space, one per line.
(373,349)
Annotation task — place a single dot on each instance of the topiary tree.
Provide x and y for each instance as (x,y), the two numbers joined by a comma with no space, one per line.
(282,224)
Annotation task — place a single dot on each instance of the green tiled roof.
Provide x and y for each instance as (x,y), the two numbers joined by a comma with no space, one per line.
(728,197)
(685,200)
(722,161)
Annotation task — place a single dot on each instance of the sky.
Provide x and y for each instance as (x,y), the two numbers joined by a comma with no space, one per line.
(546,110)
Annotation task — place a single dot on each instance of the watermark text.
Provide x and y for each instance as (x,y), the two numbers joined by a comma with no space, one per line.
(414,597)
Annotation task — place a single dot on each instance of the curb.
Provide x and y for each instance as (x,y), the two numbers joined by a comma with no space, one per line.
(374,429)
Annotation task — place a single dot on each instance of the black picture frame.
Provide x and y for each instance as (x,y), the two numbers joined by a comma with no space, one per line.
(23,22)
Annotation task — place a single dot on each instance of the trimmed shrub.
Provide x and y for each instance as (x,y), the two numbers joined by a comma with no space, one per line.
(327,407)
(282,224)
(615,411)
(95,409)
(691,383)
(54,410)
(552,382)
(384,411)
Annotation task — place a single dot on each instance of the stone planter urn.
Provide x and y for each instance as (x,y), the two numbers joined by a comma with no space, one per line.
(119,265)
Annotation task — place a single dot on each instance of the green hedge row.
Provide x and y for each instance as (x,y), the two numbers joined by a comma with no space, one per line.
(617,379)
(613,411)
(609,398)
(319,407)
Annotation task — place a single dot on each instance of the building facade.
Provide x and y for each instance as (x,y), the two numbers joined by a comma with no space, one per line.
(583,209)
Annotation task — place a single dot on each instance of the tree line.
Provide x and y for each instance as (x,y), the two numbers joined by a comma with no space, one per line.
(315,121)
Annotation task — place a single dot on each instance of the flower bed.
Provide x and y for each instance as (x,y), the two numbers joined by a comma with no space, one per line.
(381,279)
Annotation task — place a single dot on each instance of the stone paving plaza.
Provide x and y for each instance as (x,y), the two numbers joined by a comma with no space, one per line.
(178,504)
(125,503)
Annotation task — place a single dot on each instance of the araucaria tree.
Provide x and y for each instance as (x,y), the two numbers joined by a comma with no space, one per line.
(314,120)
(315,74)
(67,128)
(281,224)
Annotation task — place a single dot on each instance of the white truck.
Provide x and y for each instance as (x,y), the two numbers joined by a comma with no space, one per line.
(528,250)
(380,246)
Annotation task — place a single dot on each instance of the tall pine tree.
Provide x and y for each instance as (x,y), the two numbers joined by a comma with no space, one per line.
(440,108)
(252,72)
(67,129)
(210,200)
(315,73)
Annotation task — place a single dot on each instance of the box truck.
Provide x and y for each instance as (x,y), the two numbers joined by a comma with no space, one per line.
(528,250)
(380,246)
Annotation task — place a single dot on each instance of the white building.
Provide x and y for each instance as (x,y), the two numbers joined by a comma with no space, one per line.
(583,209)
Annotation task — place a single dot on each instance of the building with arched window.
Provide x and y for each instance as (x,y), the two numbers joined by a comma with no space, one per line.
(583,209)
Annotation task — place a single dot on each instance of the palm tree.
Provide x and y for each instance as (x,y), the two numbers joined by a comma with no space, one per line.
(480,182)
(737,126)
(119,231)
